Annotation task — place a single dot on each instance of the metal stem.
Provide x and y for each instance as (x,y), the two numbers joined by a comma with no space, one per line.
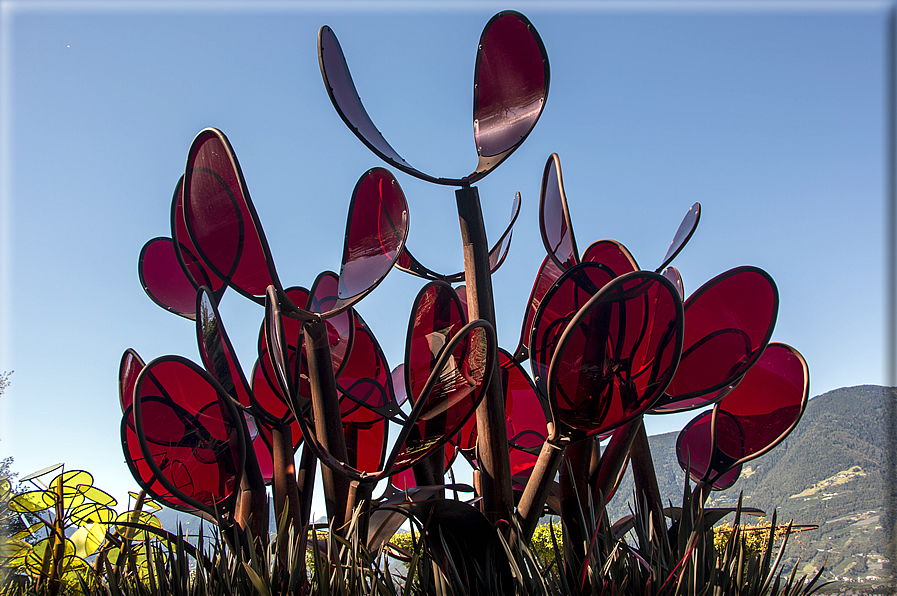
(328,421)
(492,439)
(285,489)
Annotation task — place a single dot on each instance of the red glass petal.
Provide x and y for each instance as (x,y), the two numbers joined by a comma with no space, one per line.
(767,403)
(163,280)
(547,276)
(526,416)
(560,304)
(283,339)
(130,366)
(189,433)
(450,397)
(510,87)
(405,480)
(611,253)
(694,451)
(269,398)
(366,378)
(186,252)
(216,351)
(266,391)
(683,234)
(376,231)
(141,471)
(554,216)
(618,353)
(366,435)
(340,328)
(221,220)
(728,322)
(436,317)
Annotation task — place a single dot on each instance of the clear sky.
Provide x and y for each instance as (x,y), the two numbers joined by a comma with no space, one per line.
(769,114)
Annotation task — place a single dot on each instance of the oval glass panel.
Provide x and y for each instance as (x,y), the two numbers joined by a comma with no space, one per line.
(617,355)
(728,322)
(221,220)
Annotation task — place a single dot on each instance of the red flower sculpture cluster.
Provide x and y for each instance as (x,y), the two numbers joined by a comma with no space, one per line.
(607,342)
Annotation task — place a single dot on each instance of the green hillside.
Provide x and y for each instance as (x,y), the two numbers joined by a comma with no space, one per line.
(830,471)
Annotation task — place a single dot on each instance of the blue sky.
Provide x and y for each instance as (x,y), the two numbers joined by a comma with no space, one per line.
(769,114)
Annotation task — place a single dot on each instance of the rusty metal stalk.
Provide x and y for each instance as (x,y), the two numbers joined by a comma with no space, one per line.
(328,421)
(492,440)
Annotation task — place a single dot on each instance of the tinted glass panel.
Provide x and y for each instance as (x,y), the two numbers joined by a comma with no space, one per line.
(611,253)
(190,433)
(728,321)
(558,307)
(547,276)
(217,353)
(163,280)
(196,269)
(510,84)
(375,232)
(616,361)
(437,317)
(554,217)
(220,218)
(683,234)
(452,400)
(130,366)
(768,402)
(345,97)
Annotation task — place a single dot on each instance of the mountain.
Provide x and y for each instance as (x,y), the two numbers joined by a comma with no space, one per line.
(830,471)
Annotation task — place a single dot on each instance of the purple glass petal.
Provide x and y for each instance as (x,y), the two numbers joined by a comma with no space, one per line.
(767,403)
(672,274)
(189,433)
(728,322)
(499,251)
(130,366)
(617,354)
(547,276)
(683,234)
(398,383)
(221,220)
(163,280)
(510,88)
(216,351)
(560,304)
(611,253)
(554,216)
(344,96)
(375,234)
